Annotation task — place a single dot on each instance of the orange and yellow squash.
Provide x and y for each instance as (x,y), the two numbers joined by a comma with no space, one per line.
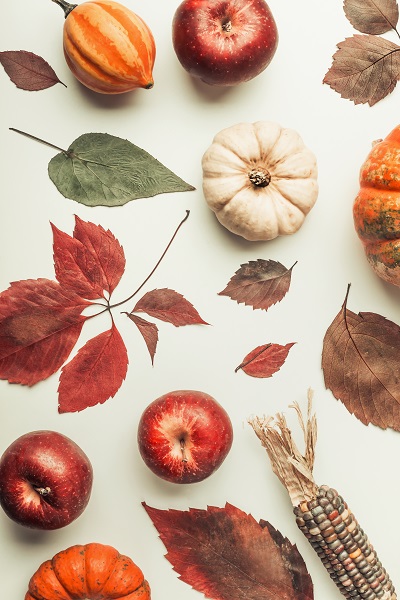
(108,48)
(376,209)
(90,572)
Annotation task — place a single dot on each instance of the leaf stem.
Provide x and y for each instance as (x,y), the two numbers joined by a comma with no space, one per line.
(155,266)
(33,137)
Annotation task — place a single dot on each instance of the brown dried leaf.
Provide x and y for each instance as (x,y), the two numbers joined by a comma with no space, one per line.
(225,554)
(265,360)
(259,283)
(360,363)
(149,333)
(28,71)
(372,16)
(365,69)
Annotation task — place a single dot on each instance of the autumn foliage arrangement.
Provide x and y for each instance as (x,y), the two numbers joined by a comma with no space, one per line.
(41,319)
(366,66)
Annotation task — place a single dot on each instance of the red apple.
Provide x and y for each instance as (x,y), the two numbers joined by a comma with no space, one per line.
(224,42)
(184,436)
(45,480)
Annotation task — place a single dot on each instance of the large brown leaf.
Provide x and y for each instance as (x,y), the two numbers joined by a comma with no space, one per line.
(372,16)
(259,283)
(361,366)
(225,554)
(365,69)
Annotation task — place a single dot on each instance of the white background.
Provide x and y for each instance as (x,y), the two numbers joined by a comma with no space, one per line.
(176,121)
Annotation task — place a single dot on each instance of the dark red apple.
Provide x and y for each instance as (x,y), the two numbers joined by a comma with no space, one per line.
(184,436)
(45,480)
(224,42)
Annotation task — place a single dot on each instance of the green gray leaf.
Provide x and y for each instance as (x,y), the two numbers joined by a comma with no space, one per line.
(99,169)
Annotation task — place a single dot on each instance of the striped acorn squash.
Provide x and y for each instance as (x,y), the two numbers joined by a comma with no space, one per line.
(108,47)
(376,209)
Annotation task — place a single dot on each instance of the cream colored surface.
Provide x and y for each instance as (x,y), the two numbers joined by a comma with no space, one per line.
(176,122)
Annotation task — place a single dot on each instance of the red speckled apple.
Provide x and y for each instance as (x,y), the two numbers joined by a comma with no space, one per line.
(45,480)
(224,42)
(184,436)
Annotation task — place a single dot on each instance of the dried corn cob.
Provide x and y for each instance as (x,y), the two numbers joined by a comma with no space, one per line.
(321,513)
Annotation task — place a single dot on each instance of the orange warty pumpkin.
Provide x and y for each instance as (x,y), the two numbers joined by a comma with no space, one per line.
(108,47)
(376,209)
(90,572)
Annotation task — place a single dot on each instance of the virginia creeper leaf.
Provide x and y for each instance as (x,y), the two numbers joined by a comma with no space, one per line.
(149,332)
(265,360)
(259,283)
(28,71)
(372,16)
(99,169)
(167,305)
(40,323)
(225,554)
(91,263)
(365,69)
(95,374)
(360,363)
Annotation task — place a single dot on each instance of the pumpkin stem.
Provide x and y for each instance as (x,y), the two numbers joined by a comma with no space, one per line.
(260,177)
(66,6)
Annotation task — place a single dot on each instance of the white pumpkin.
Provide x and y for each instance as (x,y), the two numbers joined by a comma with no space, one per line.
(259,179)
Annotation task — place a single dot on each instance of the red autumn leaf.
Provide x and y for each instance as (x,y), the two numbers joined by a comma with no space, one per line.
(365,69)
(167,305)
(28,71)
(259,283)
(149,332)
(91,263)
(265,360)
(360,363)
(95,374)
(40,323)
(225,554)
(372,16)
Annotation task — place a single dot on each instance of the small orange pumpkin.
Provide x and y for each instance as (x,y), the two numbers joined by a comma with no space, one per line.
(90,572)
(108,48)
(376,209)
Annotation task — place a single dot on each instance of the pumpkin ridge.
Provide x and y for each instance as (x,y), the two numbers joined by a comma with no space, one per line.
(135,34)
(104,54)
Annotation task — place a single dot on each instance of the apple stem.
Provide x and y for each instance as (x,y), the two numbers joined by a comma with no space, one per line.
(227,26)
(184,456)
(42,491)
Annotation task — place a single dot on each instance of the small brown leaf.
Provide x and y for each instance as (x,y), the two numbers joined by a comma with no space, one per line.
(167,305)
(360,363)
(372,16)
(265,360)
(259,283)
(365,69)
(28,71)
(225,554)
(149,332)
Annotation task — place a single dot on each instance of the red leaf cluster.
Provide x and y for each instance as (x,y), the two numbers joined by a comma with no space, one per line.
(41,320)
